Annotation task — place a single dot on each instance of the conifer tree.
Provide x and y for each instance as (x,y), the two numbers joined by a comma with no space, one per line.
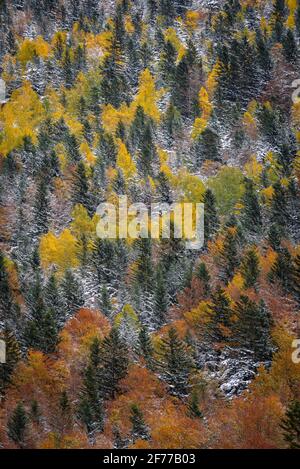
(250,268)
(289,46)
(90,409)
(72,293)
(279,212)
(193,405)
(291,425)
(220,327)
(282,270)
(41,209)
(106,306)
(17,425)
(114,359)
(81,187)
(230,253)
(253,327)
(175,363)
(275,236)
(203,275)
(160,298)
(251,211)
(296,276)
(139,429)
(211,220)
(145,347)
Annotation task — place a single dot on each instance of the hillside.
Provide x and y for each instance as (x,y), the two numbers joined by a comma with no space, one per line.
(124,342)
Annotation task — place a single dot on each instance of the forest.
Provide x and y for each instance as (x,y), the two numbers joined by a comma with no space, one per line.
(142,343)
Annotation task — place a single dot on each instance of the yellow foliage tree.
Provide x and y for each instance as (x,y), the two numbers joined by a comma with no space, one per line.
(60,251)
(20,117)
(124,161)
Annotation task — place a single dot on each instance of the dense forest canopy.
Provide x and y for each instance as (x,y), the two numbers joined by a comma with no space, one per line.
(121,343)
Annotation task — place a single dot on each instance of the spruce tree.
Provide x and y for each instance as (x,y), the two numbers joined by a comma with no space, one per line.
(175,363)
(253,327)
(279,211)
(72,293)
(220,327)
(250,268)
(211,220)
(145,347)
(17,425)
(160,298)
(251,214)
(282,270)
(90,409)
(291,425)
(193,405)
(139,428)
(81,187)
(106,306)
(289,46)
(114,359)
(203,275)
(230,253)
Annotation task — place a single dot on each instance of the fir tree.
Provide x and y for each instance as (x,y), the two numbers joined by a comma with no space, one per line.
(250,268)
(175,363)
(282,270)
(160,298)
(251,211)
(91,406)
(145,347)
(289,46)
(17,425)
(81,187)
(291,425)
(106,306)
(72,294)
(114,359)
(279,212)
(275,236)
(253,327)
(220,327)
(139,429)
(203,275)
(211,220)
(230,253)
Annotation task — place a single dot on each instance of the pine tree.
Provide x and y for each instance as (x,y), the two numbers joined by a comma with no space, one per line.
(17,425)
(145,347)
(220,327)
(282,270)
(81,187)
(114,358)
(251,214)
(211,220)
(91,406)
(203,275)
(72,294)
(193,405)
(160,298)
(175,363)
(139,429)
(250,268)
(253,327)
(291,425)
(289,46)
(230,253)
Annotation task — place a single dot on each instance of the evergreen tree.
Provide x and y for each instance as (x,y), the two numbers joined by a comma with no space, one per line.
(72,294)
(106,306)
(139,429)
(211,220)
(275,236)
(91,406)
(193,406)
(41,209)
(291,425)
(203,275)
(53,299)
(220,327)
(8,309)
(145,347)
(230,253)
(81,187)
(17,425)
(289,46)
(282,270)
(160,298)
(114,358)
(253,327)
(72,148)
(252,220)
(250,268)
(279,212)
(175,363)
